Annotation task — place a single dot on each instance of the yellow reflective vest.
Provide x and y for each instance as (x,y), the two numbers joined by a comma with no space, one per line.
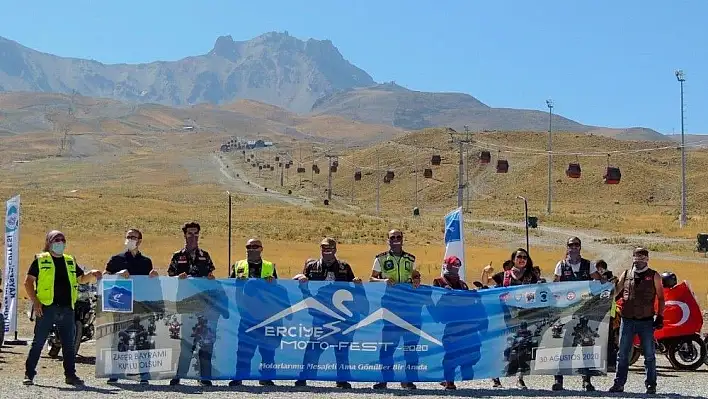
(267,268)
(44,286)
(400,269)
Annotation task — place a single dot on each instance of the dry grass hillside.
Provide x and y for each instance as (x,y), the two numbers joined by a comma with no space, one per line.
(159,180)
(646,200)
(22,113)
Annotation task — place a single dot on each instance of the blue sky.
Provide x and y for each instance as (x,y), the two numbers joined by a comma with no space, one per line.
(607,63)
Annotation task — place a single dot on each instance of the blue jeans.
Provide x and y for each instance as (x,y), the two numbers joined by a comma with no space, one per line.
(63,317)
(645,330)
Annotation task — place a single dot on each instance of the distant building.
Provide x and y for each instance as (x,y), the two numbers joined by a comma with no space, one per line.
(251,144)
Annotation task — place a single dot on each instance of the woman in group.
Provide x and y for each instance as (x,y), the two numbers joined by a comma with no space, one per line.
(522,272)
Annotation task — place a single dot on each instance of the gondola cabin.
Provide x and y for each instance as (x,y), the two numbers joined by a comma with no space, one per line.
(277,159)
(335,163)
(260,167)
(485,157)
(287,166)
(301,170)
(333,168)
(428,173)
(573,171)
(386,179)
(436,160)
(390,175)
(315,167)
(316,170)
(613,175)
(502,166)
(357,175)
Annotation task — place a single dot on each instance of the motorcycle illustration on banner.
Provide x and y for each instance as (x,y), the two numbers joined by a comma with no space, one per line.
(679,340)
(287,330)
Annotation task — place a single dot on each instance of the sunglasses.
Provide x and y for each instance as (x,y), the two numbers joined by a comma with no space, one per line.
(253,246)
(574,245)
(327,248)
(59,239)
(395,238)
(132,238)
(521,257)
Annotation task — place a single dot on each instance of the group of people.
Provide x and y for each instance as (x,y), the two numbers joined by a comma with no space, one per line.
(53,278)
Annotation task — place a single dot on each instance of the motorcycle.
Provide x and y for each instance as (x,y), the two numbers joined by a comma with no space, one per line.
(152,328)
(84,319)
(134,340)
(679,340)
(557,330)
(175,328)
(705,343)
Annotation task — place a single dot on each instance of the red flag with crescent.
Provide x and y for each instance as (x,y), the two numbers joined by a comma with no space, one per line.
(682,314)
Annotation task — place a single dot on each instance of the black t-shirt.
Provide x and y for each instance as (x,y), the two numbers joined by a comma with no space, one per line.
(62,288)
(254,270)
(195,264)
(315,270)
(138,265)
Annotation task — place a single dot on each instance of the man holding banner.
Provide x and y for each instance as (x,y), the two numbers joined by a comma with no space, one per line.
(396,266)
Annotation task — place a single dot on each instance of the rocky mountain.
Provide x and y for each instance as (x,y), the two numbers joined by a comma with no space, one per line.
(274,68)
(305,77)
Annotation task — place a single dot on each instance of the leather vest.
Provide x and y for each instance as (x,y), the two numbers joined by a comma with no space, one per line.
(583,274)
(638,295)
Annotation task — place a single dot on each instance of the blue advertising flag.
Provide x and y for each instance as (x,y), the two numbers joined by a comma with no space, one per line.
(455,238)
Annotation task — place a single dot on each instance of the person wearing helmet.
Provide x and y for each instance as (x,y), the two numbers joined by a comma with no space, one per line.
(575,268)
(668,280)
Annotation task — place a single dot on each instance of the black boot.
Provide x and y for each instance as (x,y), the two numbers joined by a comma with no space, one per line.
(587,385)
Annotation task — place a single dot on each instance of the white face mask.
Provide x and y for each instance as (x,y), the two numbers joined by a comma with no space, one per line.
(130,245)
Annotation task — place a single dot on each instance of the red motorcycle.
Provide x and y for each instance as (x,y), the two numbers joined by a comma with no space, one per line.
(679,340)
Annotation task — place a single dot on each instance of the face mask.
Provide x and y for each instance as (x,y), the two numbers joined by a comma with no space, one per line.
(640,262)
(58,247)
(131,245)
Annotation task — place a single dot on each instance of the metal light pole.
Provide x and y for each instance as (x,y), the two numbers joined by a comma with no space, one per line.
(378,185)
(460,184)
(526,216)
(467,169)
(680,77)
(229,241)
(549,103)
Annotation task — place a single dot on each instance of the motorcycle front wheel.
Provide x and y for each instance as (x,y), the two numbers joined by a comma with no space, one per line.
(636,353)
(79,334)
(687,354)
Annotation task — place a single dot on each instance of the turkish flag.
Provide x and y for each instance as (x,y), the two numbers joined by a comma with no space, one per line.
(682,314)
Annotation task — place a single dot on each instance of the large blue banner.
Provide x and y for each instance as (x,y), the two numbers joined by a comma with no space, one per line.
(253,329)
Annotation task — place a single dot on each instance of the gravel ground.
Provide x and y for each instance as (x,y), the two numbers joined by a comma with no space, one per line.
(49,384)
